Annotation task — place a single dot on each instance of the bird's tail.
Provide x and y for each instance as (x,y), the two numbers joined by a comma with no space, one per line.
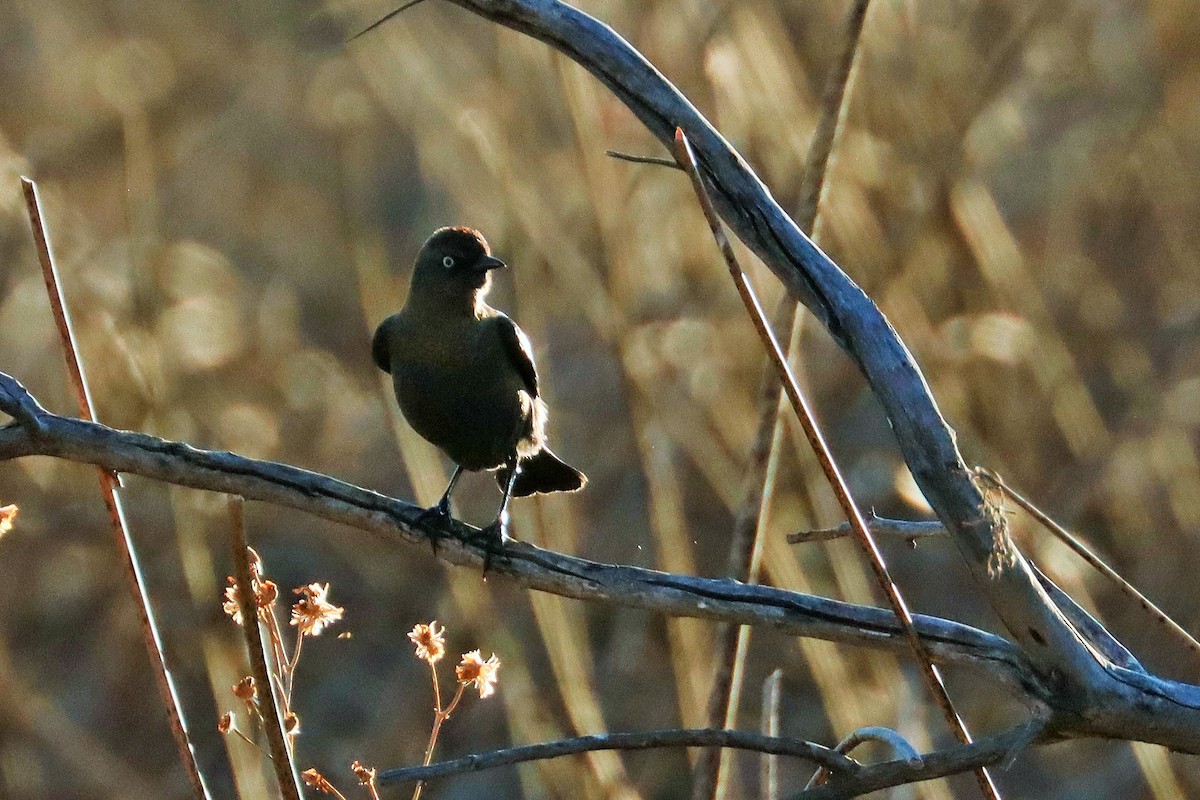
(543,473)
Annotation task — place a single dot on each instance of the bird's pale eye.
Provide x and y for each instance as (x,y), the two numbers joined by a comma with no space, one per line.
(447,261)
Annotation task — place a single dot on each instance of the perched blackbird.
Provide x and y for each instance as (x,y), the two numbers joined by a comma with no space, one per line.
(464,375)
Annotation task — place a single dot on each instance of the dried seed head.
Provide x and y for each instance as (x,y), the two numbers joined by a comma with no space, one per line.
(473,669)
(366,775)
(245,689)
(312,612)
(8,515)
(231,605)
(317,781)
(430,641)
(225,723)
(265,593)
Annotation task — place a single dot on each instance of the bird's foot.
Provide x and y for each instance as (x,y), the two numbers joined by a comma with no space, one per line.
(491,539)
(435,516)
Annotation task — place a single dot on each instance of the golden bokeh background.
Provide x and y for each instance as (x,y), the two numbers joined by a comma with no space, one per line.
(235,196)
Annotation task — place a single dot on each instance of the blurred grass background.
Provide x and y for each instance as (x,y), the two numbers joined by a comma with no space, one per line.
(235,197)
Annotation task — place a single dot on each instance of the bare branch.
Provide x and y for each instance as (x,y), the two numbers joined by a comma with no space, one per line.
(392,520)
(16,401)
(907,529)
(1095,561)
(872,733)
(986,752)
(657,161)
(1085,623)
(1133,705)
(687,737)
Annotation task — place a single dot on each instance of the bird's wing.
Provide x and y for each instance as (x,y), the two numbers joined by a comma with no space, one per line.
(519,350)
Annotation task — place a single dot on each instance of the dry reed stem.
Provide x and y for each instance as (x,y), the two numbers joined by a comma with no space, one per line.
(745,545)
(807,420)
(273,725)
(109,483)
(772,692)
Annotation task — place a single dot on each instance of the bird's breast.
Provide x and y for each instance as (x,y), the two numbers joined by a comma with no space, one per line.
(462,394)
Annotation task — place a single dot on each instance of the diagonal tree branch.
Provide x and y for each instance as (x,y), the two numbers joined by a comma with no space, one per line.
(1091,690)
(746,205)
(816,440)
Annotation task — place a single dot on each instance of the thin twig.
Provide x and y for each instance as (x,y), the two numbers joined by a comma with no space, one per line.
(904,528)
(656,160)
(384,19)
(745,541)
(1085,623)
(273,723)
(109,483)
(685,737)
(901,748)
(440,716)
(988,751)
(804,414)
(1091,557)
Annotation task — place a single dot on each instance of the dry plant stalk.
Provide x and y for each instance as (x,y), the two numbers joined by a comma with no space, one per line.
(807,421)
(746,546)
(250,602)
(109,483)
(253,595)
(430,642)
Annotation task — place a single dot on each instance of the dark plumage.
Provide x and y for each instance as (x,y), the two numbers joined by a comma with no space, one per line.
(464,374)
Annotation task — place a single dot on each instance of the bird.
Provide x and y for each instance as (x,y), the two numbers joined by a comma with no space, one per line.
(464,376)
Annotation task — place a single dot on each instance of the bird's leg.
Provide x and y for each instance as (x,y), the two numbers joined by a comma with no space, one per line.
(496,534)
(443,506)
(441,512)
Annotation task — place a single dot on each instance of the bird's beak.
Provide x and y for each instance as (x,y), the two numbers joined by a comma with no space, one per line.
(489,263)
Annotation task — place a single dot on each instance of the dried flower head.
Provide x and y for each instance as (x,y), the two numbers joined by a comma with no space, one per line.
(430,641)
(317,781)
(473,669)
(232,605)
(245,689)
(366,775)
(291,724)
(312,612)
(225,723)
(265,593)
(8,515)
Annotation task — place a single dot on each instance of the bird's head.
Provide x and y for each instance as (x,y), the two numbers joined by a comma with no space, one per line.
(455,264)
